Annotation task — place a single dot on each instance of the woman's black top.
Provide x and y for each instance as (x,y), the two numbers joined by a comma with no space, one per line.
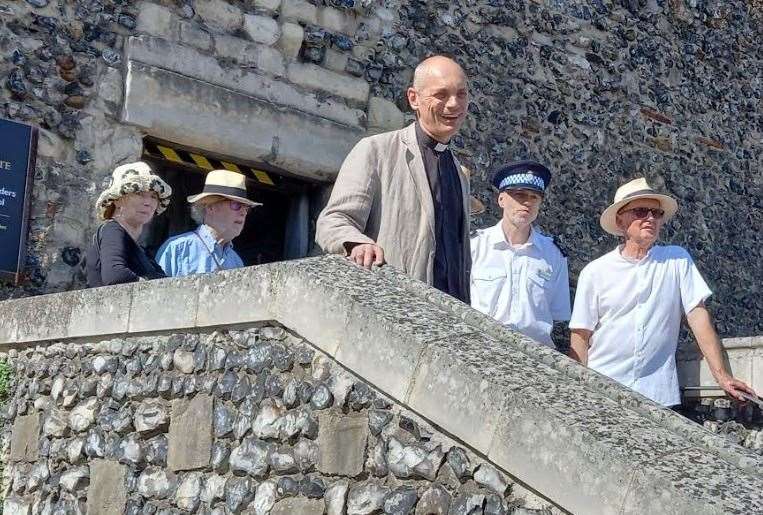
(115,258)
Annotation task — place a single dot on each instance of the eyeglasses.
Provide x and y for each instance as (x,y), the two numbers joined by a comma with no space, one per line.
(643,212)
(235,205)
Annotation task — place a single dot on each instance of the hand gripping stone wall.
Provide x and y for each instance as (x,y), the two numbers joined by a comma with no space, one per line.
(325,381)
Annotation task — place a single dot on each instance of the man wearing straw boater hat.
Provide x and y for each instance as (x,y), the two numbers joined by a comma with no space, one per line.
(221,209)
(629,302)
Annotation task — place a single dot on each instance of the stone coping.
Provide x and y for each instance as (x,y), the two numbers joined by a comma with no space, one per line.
(743,357)
(576,437)
(745,342)
(729,344)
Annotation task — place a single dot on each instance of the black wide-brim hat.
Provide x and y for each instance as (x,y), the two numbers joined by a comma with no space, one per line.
(524,175)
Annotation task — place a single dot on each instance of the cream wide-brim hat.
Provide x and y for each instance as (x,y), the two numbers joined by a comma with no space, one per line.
(224,183)
(132,178)
(628,192)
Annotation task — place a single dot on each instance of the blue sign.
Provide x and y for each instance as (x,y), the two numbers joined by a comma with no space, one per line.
(18,150)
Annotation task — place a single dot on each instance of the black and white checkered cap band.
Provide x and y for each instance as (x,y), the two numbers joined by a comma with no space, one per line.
(524,179)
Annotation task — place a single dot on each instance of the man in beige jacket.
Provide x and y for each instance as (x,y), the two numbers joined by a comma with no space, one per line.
(402,197)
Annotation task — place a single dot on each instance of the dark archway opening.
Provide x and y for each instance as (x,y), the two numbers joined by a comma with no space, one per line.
(279,229)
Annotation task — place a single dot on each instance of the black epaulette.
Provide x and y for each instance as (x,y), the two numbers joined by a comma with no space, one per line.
(473,233)
(555,239)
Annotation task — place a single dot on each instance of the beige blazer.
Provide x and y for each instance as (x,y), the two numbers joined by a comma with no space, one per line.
(382,196)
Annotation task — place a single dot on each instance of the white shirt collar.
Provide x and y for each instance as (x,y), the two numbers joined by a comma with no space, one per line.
(497,236)
(206,233)
(619,254)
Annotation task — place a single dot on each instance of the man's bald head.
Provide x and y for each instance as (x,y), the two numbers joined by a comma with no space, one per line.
(437,66)
(439,96)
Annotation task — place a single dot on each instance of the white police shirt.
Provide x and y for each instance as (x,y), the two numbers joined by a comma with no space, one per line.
(524,287)
(634,310)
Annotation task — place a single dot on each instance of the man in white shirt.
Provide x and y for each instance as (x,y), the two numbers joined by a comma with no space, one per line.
(629,302)
(519,276)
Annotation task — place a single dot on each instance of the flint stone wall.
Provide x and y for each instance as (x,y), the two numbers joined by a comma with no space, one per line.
(531,415)
(601,90)
(233,421)
(283,82)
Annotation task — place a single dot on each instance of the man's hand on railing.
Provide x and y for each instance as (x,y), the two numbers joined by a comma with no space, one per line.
(367,254)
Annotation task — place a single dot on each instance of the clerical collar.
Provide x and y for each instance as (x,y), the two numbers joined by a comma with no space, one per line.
(428,141)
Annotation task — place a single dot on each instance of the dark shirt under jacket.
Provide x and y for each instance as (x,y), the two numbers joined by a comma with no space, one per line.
(118,258)
(449,261)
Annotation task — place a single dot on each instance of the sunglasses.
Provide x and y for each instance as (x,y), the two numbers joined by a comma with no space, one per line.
(235,205)
(643,212)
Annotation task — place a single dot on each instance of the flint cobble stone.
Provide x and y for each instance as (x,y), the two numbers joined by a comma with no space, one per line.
(283,437)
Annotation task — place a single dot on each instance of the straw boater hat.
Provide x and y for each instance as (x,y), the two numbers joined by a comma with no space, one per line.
(628,192)
(132,178)
(224,183)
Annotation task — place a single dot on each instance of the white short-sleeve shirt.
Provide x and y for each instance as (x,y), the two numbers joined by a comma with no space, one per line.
(525,287)
(634,310)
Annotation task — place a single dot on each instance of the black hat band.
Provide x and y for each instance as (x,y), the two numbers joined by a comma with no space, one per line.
(224,190)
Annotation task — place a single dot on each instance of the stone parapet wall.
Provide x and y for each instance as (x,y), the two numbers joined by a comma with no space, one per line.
(744,357)
(598,382)
(234,421)
(580,440)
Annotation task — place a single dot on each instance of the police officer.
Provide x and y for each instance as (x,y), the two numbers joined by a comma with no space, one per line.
(519,276)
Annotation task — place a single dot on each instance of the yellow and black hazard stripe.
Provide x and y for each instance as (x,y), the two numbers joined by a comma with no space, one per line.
(206,163)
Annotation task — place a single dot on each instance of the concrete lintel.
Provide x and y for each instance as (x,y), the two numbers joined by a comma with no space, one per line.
(198,114)
(187,61)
